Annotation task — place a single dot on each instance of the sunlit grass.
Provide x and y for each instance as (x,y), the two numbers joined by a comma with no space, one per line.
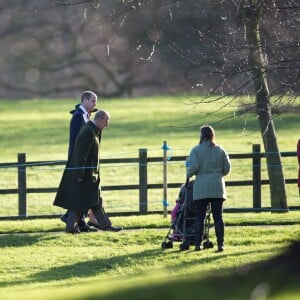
(151,221)
(79,263)
(135,123)
(43,129)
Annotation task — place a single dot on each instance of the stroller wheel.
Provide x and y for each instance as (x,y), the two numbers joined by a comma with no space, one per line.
(208,244)
(170,244)
(167,245)
(164,245)
(184,246)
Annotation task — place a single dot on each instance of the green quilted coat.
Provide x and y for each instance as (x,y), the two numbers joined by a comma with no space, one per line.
(209,164)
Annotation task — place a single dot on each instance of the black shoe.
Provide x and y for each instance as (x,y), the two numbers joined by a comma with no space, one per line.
(198,248)
(64,218)
(220,248)
(74,231)
(93,224)
(112,228)
(83,227)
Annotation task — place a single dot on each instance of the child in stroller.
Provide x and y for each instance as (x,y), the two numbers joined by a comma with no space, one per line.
(177,214)
(183,221)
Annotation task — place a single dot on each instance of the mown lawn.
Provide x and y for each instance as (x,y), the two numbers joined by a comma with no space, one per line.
(39,261)
(132,265)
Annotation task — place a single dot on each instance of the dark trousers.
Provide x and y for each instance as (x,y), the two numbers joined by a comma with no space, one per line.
(216,209)
(98,211)
(100,215)
(217,212)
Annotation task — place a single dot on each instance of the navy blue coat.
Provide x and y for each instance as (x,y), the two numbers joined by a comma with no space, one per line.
(77,121)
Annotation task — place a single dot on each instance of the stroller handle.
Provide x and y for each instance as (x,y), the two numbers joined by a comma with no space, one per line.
(187,181)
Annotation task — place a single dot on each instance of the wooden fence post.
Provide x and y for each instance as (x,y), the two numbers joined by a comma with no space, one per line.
(22,185)
(165,179)
(256,173)
(143,181)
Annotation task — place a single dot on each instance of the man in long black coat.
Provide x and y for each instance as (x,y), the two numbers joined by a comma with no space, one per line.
(80,186)
(80,116)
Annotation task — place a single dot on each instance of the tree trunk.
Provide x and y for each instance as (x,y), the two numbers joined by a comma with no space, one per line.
(252,11)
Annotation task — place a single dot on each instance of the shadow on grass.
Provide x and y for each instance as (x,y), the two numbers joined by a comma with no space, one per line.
(202,258)
(84,269)
(255,281)
(269,277)
(22,240)
(275,278)
(91,268)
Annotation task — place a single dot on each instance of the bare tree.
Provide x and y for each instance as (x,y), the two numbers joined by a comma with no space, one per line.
(245,45)
(251,46)
(252,11)
(55,48)
(264,49)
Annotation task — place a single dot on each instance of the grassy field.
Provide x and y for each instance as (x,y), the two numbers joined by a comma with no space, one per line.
(39,261)
(132,265)
(39,128)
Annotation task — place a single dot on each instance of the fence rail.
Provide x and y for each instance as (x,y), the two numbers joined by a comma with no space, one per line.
(143,160)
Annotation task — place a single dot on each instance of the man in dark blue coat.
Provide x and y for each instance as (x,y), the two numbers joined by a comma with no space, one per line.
(79,190)
(80,116)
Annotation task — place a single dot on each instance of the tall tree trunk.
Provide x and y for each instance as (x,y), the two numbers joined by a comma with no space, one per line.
(252,11)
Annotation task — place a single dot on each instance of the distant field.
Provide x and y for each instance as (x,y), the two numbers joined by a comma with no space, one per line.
(39,128)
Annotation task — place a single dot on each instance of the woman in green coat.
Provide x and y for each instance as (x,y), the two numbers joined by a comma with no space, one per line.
(209,163)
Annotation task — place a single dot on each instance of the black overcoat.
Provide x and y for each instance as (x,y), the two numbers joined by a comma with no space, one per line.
(83,163)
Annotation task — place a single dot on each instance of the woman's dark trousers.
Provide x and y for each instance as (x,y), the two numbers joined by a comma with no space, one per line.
(217,211)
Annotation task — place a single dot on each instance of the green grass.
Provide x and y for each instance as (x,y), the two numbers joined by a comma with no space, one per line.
(40,129)
(38,261)
(129,264)
(151,221)
(135,123)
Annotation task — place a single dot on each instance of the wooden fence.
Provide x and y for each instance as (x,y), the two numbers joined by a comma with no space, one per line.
(142,160)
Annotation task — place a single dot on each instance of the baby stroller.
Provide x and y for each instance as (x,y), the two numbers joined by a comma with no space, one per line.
(183,221)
